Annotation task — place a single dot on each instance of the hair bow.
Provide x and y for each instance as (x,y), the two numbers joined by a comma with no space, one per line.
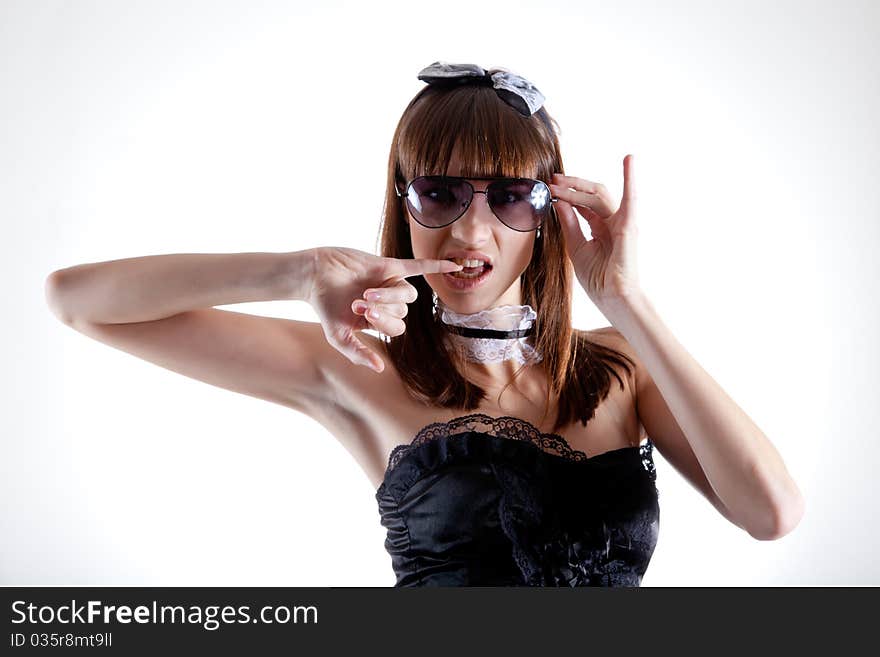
(513,89)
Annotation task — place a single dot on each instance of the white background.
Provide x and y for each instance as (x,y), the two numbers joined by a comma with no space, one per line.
(139,128)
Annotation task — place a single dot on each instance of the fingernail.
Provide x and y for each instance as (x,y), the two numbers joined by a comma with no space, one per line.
(372,312)
(372,296)
(359,306)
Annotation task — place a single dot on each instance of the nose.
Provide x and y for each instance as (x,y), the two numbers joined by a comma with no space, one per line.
(475,225)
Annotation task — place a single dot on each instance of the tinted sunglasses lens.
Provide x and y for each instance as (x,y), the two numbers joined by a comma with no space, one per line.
(435,201)
(522,203)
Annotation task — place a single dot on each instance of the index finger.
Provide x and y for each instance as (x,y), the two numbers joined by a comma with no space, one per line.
(406,267)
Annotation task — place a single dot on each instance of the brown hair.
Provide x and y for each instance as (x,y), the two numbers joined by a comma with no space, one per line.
(491,139)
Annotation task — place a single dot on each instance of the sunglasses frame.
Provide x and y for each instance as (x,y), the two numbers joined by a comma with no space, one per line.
(405,194)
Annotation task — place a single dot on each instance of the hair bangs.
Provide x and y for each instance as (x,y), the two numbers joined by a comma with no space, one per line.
(487,137)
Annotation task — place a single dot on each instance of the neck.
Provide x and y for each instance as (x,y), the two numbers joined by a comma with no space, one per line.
(489,343)
(491,375)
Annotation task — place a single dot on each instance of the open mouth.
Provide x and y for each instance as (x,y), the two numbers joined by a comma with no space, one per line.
(469,277)
(472,268)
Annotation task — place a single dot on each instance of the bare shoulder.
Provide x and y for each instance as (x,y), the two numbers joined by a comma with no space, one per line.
(604,334)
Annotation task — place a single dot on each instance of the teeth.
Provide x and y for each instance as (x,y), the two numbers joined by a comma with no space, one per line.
(459,274)
(468,263)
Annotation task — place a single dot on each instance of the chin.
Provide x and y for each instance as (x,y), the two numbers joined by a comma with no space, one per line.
(470,302)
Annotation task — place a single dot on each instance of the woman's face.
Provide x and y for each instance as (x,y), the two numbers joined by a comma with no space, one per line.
(510,252)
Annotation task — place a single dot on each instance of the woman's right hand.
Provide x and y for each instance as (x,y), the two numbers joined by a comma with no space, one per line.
(341,279)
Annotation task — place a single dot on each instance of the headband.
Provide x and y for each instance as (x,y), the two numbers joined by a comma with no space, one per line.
(513,89)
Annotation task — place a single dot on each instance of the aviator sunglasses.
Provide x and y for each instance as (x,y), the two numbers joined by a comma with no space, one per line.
(521,204)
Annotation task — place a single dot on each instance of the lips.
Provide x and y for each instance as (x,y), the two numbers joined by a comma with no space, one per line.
(465,284)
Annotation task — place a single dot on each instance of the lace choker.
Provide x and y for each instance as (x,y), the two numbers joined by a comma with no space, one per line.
(492,335)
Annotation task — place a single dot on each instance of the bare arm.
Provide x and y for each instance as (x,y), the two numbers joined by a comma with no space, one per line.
(159,286)
(702,431)
(159,308)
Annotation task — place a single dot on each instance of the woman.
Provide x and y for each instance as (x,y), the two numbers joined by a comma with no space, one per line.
(502,451)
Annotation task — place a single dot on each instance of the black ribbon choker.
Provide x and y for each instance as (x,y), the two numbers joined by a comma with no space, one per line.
(469,332)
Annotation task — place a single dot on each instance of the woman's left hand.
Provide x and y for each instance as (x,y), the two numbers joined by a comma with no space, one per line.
(605,265)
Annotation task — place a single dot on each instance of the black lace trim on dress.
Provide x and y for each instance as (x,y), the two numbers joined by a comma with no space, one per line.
(509,427)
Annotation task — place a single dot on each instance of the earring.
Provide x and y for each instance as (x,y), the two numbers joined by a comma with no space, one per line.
(539,233)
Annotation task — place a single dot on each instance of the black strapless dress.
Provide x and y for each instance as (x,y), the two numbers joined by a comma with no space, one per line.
(484,501)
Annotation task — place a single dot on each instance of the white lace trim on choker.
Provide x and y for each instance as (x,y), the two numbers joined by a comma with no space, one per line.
(493,350)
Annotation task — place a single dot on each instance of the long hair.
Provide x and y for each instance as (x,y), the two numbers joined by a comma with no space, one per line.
(492,139)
